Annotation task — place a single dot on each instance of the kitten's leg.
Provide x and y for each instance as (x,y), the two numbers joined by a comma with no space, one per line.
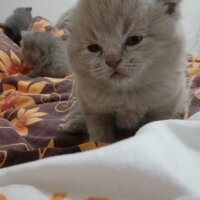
(128,123)
(101,128)
(75,123)
(127,119)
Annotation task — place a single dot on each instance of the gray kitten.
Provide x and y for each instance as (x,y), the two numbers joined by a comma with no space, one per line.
(46,54)
(16,23)
(128,60)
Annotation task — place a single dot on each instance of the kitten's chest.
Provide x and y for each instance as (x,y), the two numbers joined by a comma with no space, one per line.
(112,103)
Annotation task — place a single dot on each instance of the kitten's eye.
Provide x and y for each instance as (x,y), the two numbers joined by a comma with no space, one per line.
(94,48)
(134,40)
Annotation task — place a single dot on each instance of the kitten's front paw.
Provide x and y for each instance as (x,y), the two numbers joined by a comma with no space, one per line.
(127,120)
(76,125)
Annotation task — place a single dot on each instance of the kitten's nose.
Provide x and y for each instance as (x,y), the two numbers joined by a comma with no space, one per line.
(113,62)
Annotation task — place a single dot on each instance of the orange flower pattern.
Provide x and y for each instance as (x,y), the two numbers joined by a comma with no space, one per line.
(9,64)
(19,96)
(10,53)
(193,75)
(26,118)
(31,112)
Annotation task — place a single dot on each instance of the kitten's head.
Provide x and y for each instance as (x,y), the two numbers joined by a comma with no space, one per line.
(116,40)
(25,12)
(34,47)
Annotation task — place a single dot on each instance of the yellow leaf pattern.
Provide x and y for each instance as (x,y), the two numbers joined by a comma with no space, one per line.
(26,118)
(10,64)
(51,145)
(36,88)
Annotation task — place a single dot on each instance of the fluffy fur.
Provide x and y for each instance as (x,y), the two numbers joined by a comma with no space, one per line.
(64,21)
(17,22)
(128,60)
(46,55)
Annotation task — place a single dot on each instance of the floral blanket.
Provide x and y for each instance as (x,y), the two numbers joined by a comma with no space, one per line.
(32,110)
(193,74)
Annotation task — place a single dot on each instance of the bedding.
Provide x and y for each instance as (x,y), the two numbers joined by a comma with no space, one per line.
(32,110)
(193,75)
(161,162)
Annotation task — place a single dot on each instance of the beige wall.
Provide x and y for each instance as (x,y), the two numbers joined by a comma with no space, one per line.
(51,9)
(191,24)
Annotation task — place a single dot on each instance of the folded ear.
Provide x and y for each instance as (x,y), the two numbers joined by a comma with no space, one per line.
(29,9)
(171,5)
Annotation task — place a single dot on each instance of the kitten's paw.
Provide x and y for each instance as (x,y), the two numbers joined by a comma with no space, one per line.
(75,124)
(127,120)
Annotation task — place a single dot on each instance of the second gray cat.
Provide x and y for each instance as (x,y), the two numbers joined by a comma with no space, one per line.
(16,23)
(46,54)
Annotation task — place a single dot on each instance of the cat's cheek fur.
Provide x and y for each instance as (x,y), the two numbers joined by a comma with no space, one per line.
(75,54)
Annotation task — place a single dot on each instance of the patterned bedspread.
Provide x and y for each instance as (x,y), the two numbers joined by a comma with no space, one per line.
(32,110)
(193,74)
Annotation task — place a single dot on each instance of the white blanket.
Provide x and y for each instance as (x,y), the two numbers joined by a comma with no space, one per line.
(161,163)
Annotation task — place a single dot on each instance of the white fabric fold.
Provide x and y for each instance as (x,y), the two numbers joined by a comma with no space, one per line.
(162,162)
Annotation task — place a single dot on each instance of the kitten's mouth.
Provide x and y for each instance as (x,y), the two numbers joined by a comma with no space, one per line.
(117,75)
